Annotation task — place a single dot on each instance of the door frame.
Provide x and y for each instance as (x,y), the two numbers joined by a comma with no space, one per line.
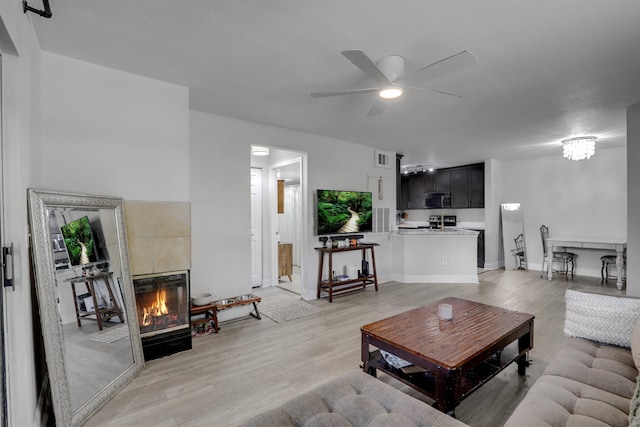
(259,261)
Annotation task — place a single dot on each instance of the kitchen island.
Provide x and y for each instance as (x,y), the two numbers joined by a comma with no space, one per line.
(434,256)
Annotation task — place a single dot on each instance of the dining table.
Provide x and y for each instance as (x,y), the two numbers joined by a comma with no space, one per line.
(602,243)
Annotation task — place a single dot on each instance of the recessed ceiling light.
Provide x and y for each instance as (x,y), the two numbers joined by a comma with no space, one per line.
(257,150)
(390,92)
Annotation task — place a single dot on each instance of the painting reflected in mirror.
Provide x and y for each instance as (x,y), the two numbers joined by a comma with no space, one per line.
(515,256)
(85,298)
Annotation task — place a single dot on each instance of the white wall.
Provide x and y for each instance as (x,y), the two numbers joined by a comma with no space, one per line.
(494,179)
(586,198)
(20,170)
(220,162)
(114,133)
(633,217)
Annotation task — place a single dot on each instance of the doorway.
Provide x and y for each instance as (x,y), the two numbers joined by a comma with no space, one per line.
(270,229)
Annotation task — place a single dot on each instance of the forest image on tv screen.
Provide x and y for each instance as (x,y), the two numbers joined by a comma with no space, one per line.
(76,235)
(343,211)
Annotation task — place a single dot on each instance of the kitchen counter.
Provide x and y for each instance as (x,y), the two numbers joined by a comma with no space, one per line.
(423,255)
(434,231)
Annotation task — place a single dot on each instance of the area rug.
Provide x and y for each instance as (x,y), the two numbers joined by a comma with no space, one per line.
(111,335)
(285,306)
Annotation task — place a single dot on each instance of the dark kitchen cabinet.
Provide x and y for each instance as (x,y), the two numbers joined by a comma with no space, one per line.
(404,192)
(437,181)
(412,189)
(480,248)
(467,187)
(466,184)
(443,180)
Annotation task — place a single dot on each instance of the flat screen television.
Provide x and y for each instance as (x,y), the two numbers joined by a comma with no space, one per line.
(343,212)
(76,234)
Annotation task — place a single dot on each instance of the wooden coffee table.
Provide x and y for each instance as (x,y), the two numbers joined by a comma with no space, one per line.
(451,358)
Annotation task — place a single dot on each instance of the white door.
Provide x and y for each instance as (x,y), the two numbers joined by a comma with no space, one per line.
(256,227)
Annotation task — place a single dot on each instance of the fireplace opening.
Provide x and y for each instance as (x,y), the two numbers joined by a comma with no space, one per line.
(162,302)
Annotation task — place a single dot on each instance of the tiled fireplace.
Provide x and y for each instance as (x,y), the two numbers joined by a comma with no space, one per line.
(159,239)
(162,302)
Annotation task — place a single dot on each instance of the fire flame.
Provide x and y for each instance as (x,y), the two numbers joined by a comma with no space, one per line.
(157,308)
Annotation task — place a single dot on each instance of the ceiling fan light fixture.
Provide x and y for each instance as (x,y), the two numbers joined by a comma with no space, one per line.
(579,148)
(390,92)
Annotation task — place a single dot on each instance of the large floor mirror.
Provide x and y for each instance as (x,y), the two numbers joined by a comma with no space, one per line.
(515,255)
(85,298)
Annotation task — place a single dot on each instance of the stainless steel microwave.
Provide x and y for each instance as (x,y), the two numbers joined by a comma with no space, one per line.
(437,200)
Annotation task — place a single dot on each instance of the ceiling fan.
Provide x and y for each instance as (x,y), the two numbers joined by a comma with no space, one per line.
(389,71)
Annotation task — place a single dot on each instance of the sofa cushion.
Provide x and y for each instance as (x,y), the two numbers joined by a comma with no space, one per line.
(586,384)
(635,343)
(603,318)
(634,408)
(353,399)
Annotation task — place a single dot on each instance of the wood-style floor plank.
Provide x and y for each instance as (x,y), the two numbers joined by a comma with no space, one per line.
(253,365)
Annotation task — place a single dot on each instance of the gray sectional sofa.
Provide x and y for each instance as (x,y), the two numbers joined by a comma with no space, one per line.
(591,381)
(353,399)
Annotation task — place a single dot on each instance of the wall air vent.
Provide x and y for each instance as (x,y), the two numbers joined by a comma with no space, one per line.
(382,159)
(380,220)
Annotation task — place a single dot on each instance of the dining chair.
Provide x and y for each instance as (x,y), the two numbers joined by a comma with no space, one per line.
(519,254)
(563,258)
(608,262)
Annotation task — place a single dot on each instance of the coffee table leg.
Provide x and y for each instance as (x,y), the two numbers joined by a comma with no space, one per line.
(523,363)
(445,391)
(525,343)
(365,357)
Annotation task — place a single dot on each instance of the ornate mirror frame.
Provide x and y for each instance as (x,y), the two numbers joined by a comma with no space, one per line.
(40,202)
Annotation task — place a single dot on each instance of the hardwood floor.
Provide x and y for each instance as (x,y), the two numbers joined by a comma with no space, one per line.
(254,365)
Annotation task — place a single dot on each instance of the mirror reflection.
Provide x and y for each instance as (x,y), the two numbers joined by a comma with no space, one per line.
(513,236)
(96,338)
(86,302)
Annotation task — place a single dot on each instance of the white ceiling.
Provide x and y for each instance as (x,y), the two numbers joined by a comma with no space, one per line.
(548,69)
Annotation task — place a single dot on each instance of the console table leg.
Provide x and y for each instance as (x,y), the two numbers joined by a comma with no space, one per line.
(320,273)
(373,264)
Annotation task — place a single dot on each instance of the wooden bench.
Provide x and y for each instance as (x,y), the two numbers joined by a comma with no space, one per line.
(211,310)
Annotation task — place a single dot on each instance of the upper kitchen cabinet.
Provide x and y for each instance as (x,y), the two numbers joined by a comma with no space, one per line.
(437,181)
(443,180)
(467,186)
(412,191)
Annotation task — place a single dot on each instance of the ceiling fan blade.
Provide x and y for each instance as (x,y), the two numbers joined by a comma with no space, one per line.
(377,108)
(343,92)
(438,97)
(445,66)
(362,61)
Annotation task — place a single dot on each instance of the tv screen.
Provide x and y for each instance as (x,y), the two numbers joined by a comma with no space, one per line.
(343,212)
(77,234)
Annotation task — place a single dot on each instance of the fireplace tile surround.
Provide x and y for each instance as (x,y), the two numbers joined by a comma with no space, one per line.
(159,236)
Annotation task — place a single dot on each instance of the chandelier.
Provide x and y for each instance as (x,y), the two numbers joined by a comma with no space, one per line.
(579,148)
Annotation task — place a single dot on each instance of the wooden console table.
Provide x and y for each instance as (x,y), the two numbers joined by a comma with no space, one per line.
(102,311)
(345,285)
(210,311)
